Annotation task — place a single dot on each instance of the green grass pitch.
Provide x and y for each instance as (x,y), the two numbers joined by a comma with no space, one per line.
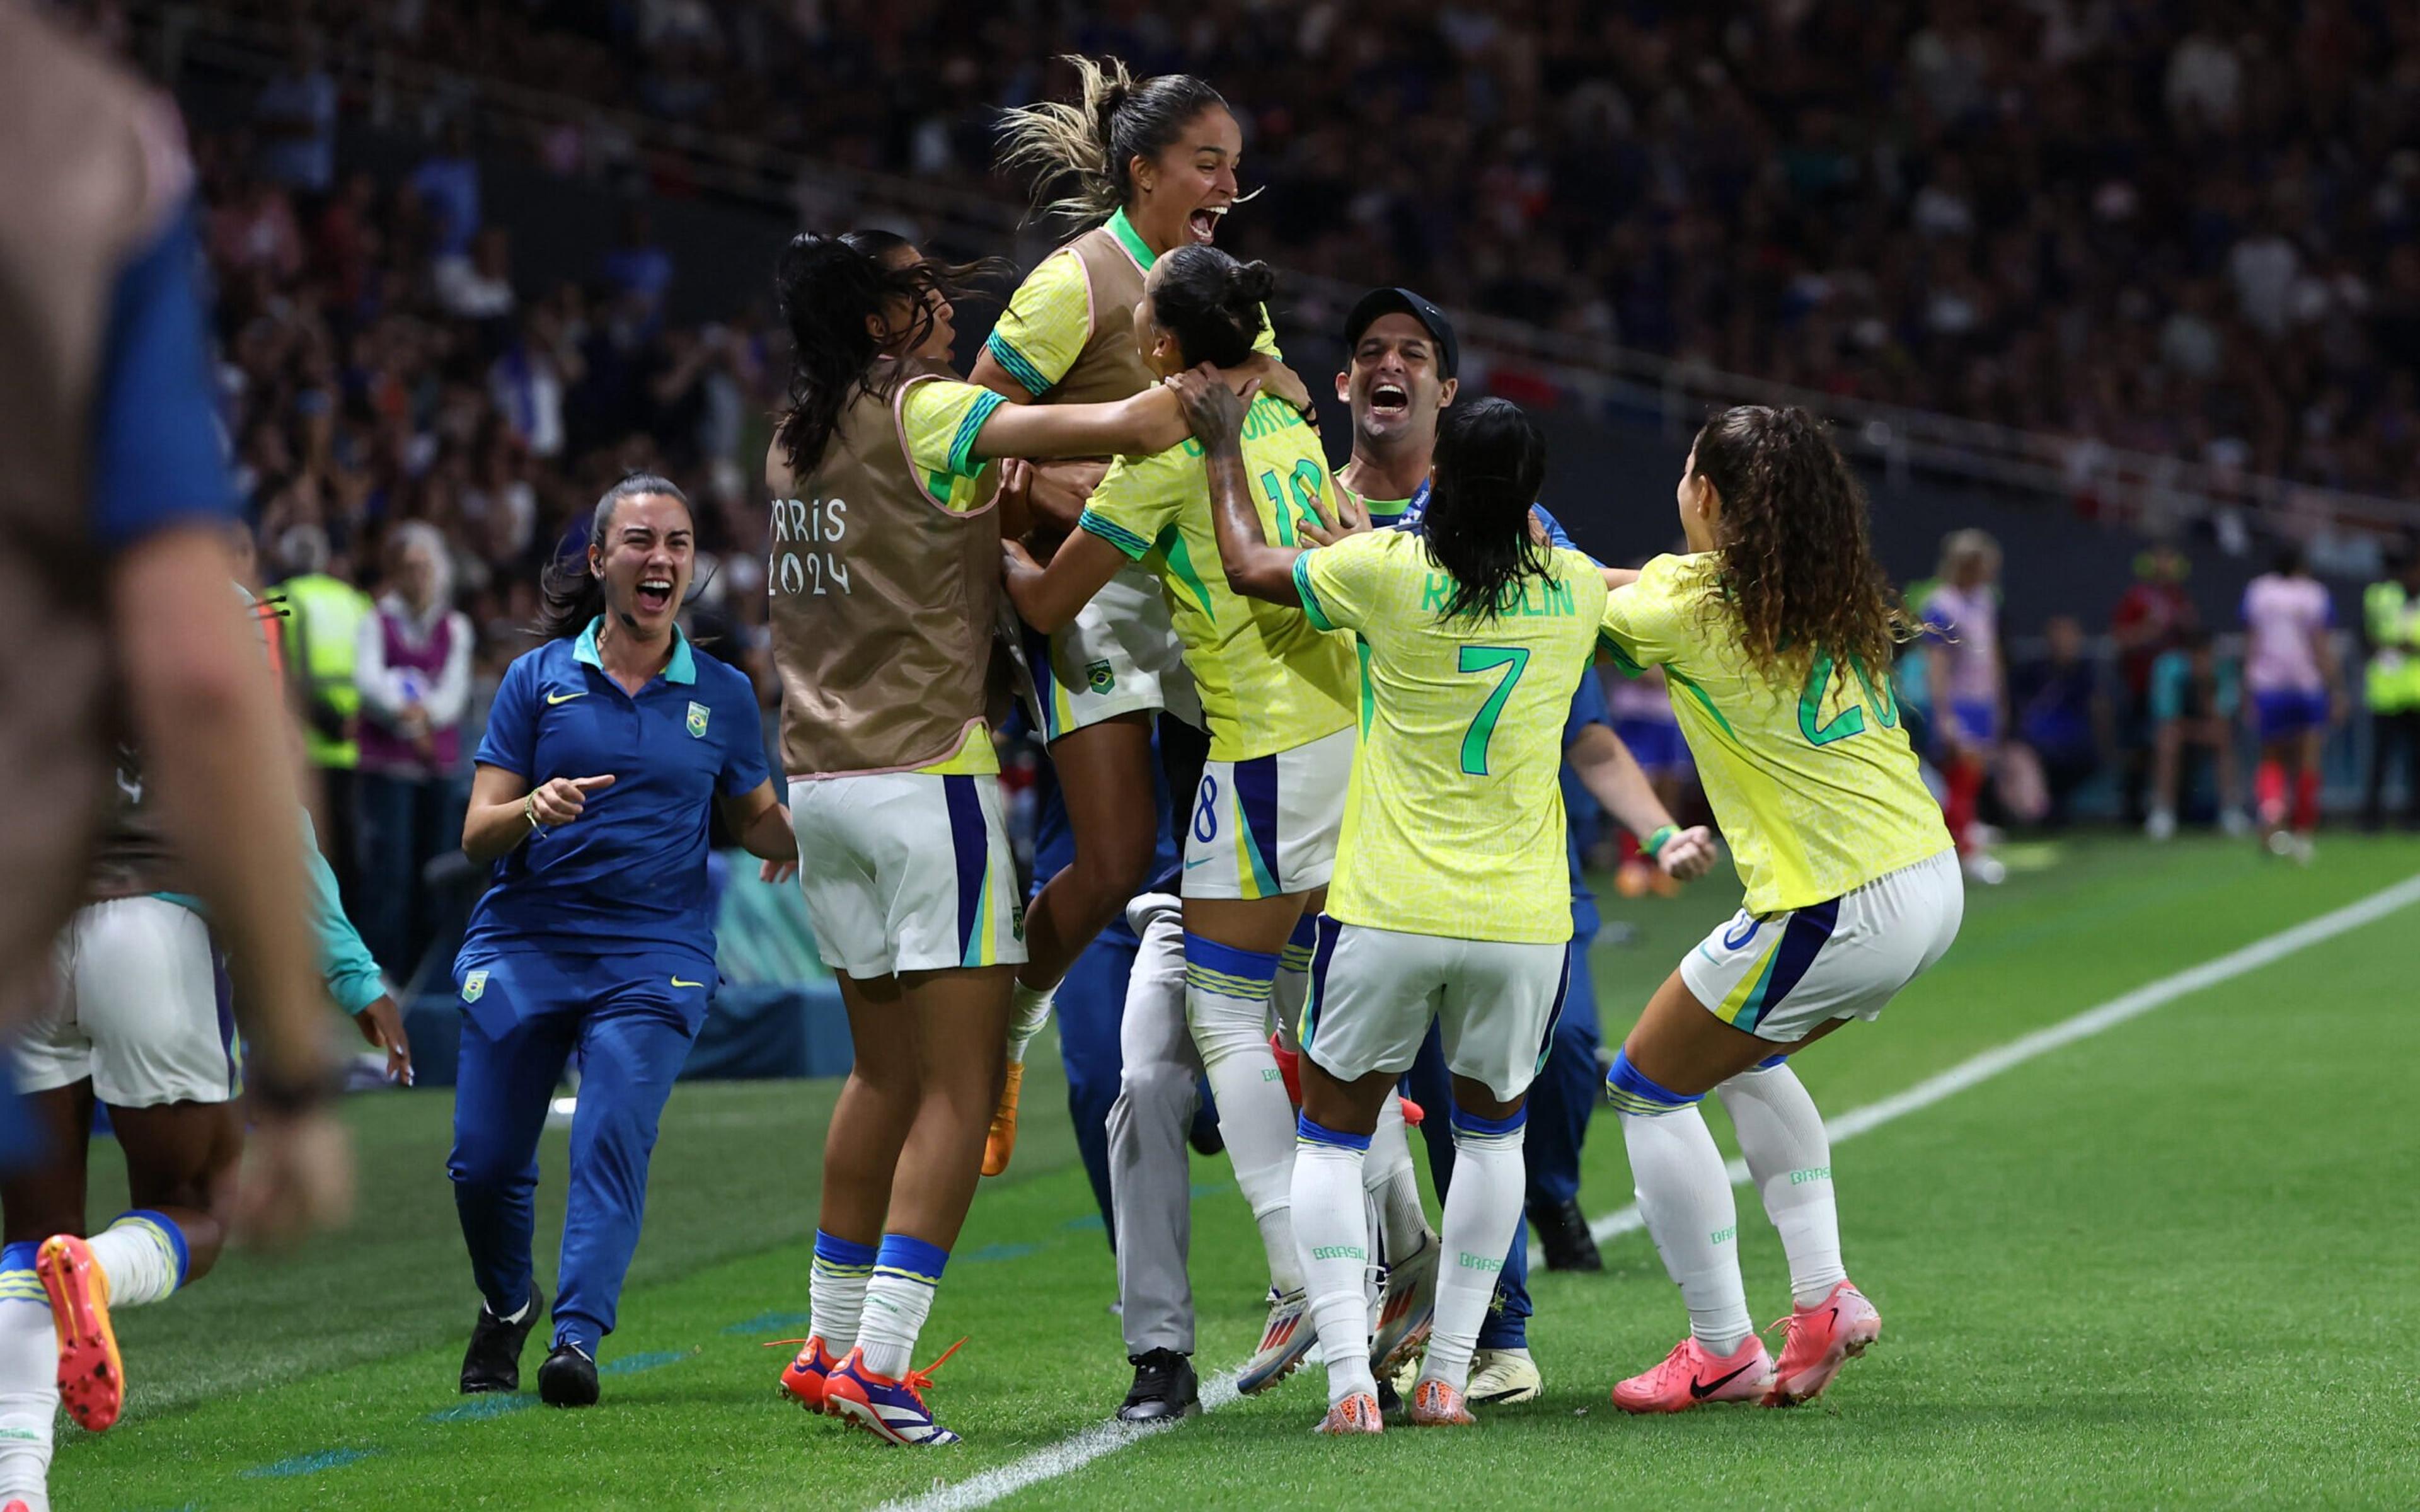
(2176,1264)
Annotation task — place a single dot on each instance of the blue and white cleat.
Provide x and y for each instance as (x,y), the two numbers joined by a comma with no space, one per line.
(1284,1343)
(893,1411)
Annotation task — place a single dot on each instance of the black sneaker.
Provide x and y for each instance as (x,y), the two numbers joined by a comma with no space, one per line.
(1164,1386)
(568,1378)
(1391,1401)
(1563,1234)
(494,1361)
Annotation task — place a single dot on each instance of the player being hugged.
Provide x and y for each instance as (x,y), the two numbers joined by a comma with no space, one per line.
(1278,694)
(1450,902)
(885,583)
(1775,633)
(607,751)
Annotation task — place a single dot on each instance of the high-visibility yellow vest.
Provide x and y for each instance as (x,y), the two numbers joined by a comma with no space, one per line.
(324,616)
(2392,617)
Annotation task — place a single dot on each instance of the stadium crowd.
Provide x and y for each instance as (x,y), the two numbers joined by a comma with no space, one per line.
(2186,230)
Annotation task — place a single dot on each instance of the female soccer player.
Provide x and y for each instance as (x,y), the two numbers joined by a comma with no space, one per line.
(2289,668)
(1152,166)
(878,483)
(1278,694)
(1775,633)
(1970,687)
(608,753)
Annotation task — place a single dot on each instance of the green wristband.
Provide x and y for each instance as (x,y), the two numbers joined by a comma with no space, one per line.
(1655,842)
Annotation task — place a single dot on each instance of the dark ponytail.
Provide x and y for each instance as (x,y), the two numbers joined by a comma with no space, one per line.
(569,594)
(828,288)
(1211,304)
(1491,461)
(1090,143)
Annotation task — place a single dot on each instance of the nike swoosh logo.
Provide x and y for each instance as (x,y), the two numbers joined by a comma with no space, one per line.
(1191,865)
(564,697)
(1703,1389)
(677,982)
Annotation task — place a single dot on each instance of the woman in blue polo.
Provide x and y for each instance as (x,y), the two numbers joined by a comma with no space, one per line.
(607,751)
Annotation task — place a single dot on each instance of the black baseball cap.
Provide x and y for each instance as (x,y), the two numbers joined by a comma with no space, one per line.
(1378,302)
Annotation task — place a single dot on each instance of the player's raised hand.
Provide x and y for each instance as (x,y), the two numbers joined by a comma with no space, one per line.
(1214,410)
(560,800)
(1690,854)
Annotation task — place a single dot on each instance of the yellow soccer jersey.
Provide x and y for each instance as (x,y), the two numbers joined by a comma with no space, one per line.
(1814,784)
(1269,679)
(1454,821)
(1049,318)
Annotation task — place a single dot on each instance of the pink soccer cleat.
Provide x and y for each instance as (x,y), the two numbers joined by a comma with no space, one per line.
(1436,1405)
(1822,1338)
(1693,1375)
(1357,1414)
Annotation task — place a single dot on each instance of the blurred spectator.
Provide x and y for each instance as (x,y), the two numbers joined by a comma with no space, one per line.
(2391,624)
(447,181)
(295,117)
(2153,615)
(638,269)
(323,620)
(477,285)
(2061,716)
(414,671)
(2196,700)
(2289,668)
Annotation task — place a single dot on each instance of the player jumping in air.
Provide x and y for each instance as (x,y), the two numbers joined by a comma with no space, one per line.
(1775,633)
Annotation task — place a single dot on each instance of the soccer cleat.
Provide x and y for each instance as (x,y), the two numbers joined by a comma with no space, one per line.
(803,1378)
(1000,1143)
(1693,1375)
(1563,1235)
(1357,1414)
(92,1381)
(1289,1067)
(1406,1307)
(893,1411)
(568,1378)
(16,1506)
(1436,1405)
(1413,1115)
(1503,1376)
(1164,1387)
(1822,1338)
(494,1361)
(1283,1344)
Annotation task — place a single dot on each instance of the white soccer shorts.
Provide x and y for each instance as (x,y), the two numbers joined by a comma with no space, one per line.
(1119,655)
(1373,992)
(140,1006)
(1266,827)
(908,872)
(1781,977)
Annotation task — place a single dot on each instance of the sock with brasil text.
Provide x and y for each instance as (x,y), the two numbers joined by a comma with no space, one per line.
(1332,1235)
(836,1290)
(1789,1158)
(1684,1193)
(906,1271)
(1482,1208)
(1227,1007)
(29,1380)
(143,1253)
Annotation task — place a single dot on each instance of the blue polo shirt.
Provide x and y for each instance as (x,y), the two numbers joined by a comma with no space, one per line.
(629,875)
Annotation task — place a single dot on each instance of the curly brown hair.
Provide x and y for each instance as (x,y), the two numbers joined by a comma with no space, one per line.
(1798,574)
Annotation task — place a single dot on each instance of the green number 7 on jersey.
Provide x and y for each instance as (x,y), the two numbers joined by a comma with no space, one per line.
(1514,661)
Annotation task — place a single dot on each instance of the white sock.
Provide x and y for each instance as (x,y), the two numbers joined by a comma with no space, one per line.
(1333,1236)
(143,1253)
(906,1271)
(1789,1158)
(1394,1188)
(1685,1196)
(30,1382)
(1482,1209)
(1029,1008)
(1227,1007)
(836,1282)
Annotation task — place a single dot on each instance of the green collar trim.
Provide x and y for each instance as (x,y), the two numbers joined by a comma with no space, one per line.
(1132,241)
(681,669)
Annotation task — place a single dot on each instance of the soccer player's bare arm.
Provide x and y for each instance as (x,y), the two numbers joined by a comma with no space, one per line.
(761,824)
(1049,598)
(1613,776)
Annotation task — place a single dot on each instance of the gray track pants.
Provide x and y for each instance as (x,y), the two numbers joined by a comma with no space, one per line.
(1151,1178)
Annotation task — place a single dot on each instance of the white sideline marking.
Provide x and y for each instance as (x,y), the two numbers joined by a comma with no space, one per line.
(1081,1448)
